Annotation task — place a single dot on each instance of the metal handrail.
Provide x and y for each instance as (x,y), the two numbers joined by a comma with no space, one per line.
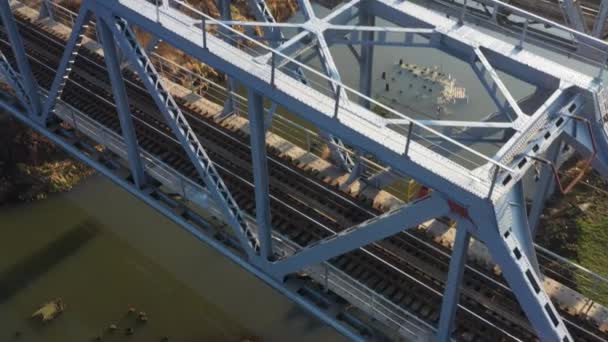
(212,21)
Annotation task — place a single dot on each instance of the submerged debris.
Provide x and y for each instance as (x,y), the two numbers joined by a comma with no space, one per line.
(50,310)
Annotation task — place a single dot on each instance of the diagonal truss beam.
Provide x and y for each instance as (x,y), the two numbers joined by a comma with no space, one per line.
(600,20)
(290,47)
(536,139)
(262,12)
(487,67)
(307,10)
(372,230)
(27,80)
(573,14)
(342,14)
(336,146)
(14,81)
(182,130)
(68,59)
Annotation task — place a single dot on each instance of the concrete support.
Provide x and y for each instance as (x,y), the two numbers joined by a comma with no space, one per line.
(29,82)
(122,103)
(451,294)
(260,172)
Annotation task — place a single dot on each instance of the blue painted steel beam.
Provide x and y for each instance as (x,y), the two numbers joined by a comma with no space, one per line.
(307,9)
(355,173)
(289,48)
(255,105)
(182,130)
(519,274)
(491,89)
(600,20)
(451,295)
(573,15)
(359,38)
(262,13)
(487,68)
(339,155)
(490,125)
(344,13)
(122,103)
(14,81)
(542,188)
(375,229)
(25,70)
(533,141)
(336,146)
(229,104)
(367,58)
(46,10)
(69,56)
(520,224)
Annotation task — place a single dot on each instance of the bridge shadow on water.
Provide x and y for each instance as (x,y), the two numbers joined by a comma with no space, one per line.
(29,269)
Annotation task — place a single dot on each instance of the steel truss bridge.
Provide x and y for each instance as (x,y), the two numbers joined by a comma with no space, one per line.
(483,192)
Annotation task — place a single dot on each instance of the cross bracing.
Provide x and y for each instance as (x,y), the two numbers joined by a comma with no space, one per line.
(483,195)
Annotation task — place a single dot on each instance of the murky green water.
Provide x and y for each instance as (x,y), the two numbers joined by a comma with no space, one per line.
(102,251)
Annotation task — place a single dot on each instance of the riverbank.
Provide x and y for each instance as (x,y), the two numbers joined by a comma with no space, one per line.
(575,225)
(31,167)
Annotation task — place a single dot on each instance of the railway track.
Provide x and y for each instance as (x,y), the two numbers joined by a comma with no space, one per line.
(402,268)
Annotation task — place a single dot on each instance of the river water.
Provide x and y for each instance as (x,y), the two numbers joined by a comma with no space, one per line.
(102,251)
